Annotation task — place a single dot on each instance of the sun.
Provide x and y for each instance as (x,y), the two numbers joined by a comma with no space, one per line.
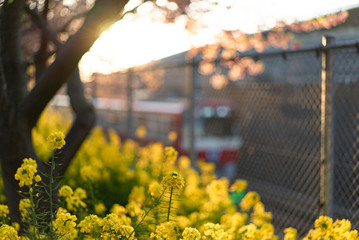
(133,42)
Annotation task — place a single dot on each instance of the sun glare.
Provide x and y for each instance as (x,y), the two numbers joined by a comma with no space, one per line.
(135,41)
(131,43)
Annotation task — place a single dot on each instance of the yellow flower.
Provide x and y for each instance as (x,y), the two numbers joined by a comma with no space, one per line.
(25,173)
(165,231)
(37,178)
(218,190)
(249,231)
(170,154)
(7,232)
(118,209)
(65,191)
(100,208)
(137,194)
(351,235)
(90,224)
(134,209)
(4,210)
(173,180)
(65,224)
(75,201)
(56,140)
(172,136)
(191,234)
(239,185)
(113,229)
(24,207)
(290,234)
(324,224)
(249,200)
(155,189)
(141,132)
(89,173)
(214,231)
(342,226)
(80,193)
(184,162)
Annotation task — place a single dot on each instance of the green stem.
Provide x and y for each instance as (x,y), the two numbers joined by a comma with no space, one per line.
(51,192)
(33,213)
(169,205)
(156,202)
(92,195)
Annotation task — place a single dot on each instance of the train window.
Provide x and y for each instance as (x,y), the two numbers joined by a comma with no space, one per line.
(223,111)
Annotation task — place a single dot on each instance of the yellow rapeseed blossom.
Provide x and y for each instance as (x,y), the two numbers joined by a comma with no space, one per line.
(26,172)
(259,215)
(191,234)
(65,224)
(56,140)
(113,229)
(89,173)
(234,221)
(8,233)
(218,190)
(137,194)
(173,180)
(118,209)
(134,210)
(141,132)
(249,232)
(249,200)
(75,201)
(91,224)
(342,226)
(172,136)
(66,191)
(184,162)
(214,231)
(351,235)
(155,189)
(4,210)
(266,231)
(73,198)
(324,224)
(290,233)
(24,207)
(165,231)
(170,154)
(100,208)
(239,185)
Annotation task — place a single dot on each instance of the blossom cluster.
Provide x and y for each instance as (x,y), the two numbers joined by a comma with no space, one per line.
(123,190)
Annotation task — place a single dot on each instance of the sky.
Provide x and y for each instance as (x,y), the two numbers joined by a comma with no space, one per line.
(134,42)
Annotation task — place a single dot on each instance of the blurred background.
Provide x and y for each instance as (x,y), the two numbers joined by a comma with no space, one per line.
(280,109)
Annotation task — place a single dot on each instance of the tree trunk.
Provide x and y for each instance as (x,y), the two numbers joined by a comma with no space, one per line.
(21,110)
(15,145)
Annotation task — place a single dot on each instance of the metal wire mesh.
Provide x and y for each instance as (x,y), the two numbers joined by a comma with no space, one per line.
(277,114)
(346,109)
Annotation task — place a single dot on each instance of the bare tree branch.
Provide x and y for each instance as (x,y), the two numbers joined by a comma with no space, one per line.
(42,54)
(104,13)
(40,22)
(64,28)
(84,121)
(12,55)
(85,114)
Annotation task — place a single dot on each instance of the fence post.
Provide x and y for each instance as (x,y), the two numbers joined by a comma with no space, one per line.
(327,113)
(194,95)
(129,104)
(355,171)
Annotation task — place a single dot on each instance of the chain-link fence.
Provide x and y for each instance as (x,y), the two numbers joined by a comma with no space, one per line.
(292,131)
